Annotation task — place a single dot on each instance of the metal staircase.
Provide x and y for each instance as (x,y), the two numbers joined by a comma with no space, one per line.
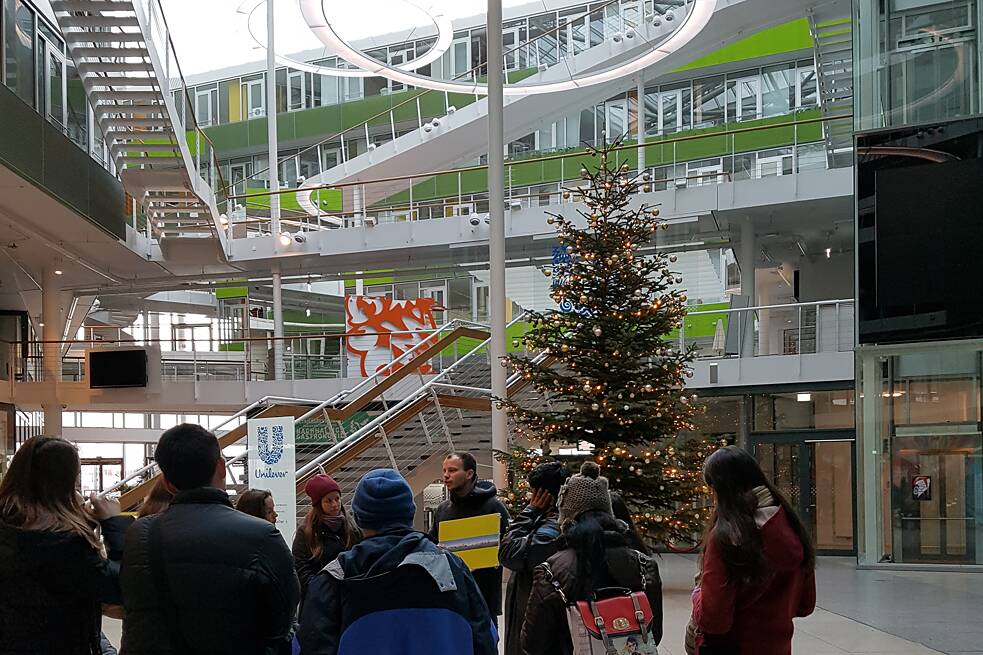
(130,72)
(833,47)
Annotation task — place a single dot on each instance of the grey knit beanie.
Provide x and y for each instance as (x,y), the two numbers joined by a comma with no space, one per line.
(585,492)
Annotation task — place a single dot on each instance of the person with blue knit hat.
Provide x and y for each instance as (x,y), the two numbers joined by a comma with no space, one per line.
(396,592)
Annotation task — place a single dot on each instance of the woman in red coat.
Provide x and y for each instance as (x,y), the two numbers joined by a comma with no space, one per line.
(758,564)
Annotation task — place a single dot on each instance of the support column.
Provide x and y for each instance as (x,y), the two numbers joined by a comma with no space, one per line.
(870,500)
(748,252)
(271,124)
(51,317)
(640,121)
(496,237)
(277,323)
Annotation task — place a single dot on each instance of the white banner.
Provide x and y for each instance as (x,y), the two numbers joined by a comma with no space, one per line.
(273,467)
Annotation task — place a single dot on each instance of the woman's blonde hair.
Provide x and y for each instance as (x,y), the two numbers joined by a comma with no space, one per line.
(39,491)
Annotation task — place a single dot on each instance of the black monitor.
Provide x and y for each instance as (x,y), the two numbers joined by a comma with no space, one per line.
(117,368)
(920,232)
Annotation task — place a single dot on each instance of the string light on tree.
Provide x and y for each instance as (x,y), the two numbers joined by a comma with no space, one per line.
(611,378)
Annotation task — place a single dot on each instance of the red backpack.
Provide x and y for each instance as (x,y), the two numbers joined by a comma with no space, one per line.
(611,621)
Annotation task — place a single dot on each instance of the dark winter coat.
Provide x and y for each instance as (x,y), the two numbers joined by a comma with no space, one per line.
(531,540)
(53,584)
(231,578)
(333,545)
(756,620)
(395,592)
(483,499)
(545,631)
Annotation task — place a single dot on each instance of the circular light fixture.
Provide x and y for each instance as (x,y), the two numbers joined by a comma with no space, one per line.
(285,238)
(687,28)
(58,272)
(445,35)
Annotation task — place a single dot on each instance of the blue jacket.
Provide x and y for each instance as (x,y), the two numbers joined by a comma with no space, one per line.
(395,594)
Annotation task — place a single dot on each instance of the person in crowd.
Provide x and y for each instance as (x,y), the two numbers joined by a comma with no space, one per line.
(622,513)
(395,592)
(258,503)
(156,501)
(595,554)
(531,540)
(758,563)
(202,577)
(56,572)
(326,531)
(469,497)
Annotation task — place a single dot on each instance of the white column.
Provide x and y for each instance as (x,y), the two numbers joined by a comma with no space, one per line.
(748,248)
(640,120)
(277,323)
(271,123)
(496,238)
(51,317)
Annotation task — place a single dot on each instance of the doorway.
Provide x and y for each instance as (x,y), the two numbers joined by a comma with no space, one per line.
(815,472)
(99,474)
(937,491)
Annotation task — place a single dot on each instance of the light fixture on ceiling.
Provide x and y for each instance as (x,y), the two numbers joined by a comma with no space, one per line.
(308,312)
(803,397)
(285,238)
(58,272)
(829,253)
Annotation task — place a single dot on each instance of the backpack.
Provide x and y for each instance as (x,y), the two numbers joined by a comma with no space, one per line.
(611,621)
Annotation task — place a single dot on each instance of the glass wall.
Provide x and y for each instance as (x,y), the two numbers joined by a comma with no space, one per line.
(916,61)
(18,49)
(920,445)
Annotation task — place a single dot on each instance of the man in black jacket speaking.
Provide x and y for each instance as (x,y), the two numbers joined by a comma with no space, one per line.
(202,577)
(471,497)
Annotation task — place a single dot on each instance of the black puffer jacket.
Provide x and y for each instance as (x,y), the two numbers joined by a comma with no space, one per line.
(230,574)
(533,537)
(52,585)
(545,630)
(483,499)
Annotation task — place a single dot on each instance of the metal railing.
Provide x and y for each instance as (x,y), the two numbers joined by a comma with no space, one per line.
(788,329)
(797,146)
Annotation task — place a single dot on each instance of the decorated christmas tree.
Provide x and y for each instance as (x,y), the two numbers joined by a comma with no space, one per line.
(603,364)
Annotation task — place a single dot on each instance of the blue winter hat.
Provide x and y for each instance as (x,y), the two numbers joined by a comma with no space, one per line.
(383,499)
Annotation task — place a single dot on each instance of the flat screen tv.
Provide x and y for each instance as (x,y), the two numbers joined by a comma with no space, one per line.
(920,233)
(113,369)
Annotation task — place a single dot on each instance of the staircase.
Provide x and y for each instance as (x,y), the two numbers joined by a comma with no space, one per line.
(133,81)
(833,47)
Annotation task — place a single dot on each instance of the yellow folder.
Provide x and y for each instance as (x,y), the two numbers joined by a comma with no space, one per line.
(475,540)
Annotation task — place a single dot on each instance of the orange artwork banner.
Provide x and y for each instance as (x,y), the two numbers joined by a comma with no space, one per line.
(382,329)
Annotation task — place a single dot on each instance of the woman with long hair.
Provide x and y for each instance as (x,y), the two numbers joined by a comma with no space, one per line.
(326,531)
(258,503)
(56,571)
(595,553)
(158,500)
(758,564)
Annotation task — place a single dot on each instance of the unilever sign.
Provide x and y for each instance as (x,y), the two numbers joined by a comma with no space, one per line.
(272,466)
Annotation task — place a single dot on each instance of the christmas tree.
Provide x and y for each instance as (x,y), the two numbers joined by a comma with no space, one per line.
(603,362)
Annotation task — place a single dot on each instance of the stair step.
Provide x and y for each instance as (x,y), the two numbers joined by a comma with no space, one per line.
(169,211)
(162,162)
(94,68)
(98,21)
(134,108)
(91,5)
(87,52)
(145,147)
(121,83)
(137,122)
(112,97)
(118,136)
(103,37)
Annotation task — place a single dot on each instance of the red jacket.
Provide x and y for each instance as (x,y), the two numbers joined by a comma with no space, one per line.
(756,619)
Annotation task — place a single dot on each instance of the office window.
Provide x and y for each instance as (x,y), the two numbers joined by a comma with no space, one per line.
(708,101)
(778,90)
(18,40)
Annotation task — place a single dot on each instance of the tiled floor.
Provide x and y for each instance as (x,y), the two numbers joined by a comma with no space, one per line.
(860,612)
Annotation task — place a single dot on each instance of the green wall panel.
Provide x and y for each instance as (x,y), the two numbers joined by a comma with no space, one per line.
(788,37)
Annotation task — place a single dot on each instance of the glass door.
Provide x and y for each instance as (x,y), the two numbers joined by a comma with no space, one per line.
(936,484)
(816,475)
(705,172)
(670,112)
(479,301)
(99,474)
(254,92)
(54,83)
(439,294)
(296,90)
(206,104)
(615,119)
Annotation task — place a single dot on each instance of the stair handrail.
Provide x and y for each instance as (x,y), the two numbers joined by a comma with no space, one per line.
(141,472)
(373,425)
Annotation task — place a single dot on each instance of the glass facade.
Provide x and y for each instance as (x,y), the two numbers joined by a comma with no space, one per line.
(919,424)
(917,61)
